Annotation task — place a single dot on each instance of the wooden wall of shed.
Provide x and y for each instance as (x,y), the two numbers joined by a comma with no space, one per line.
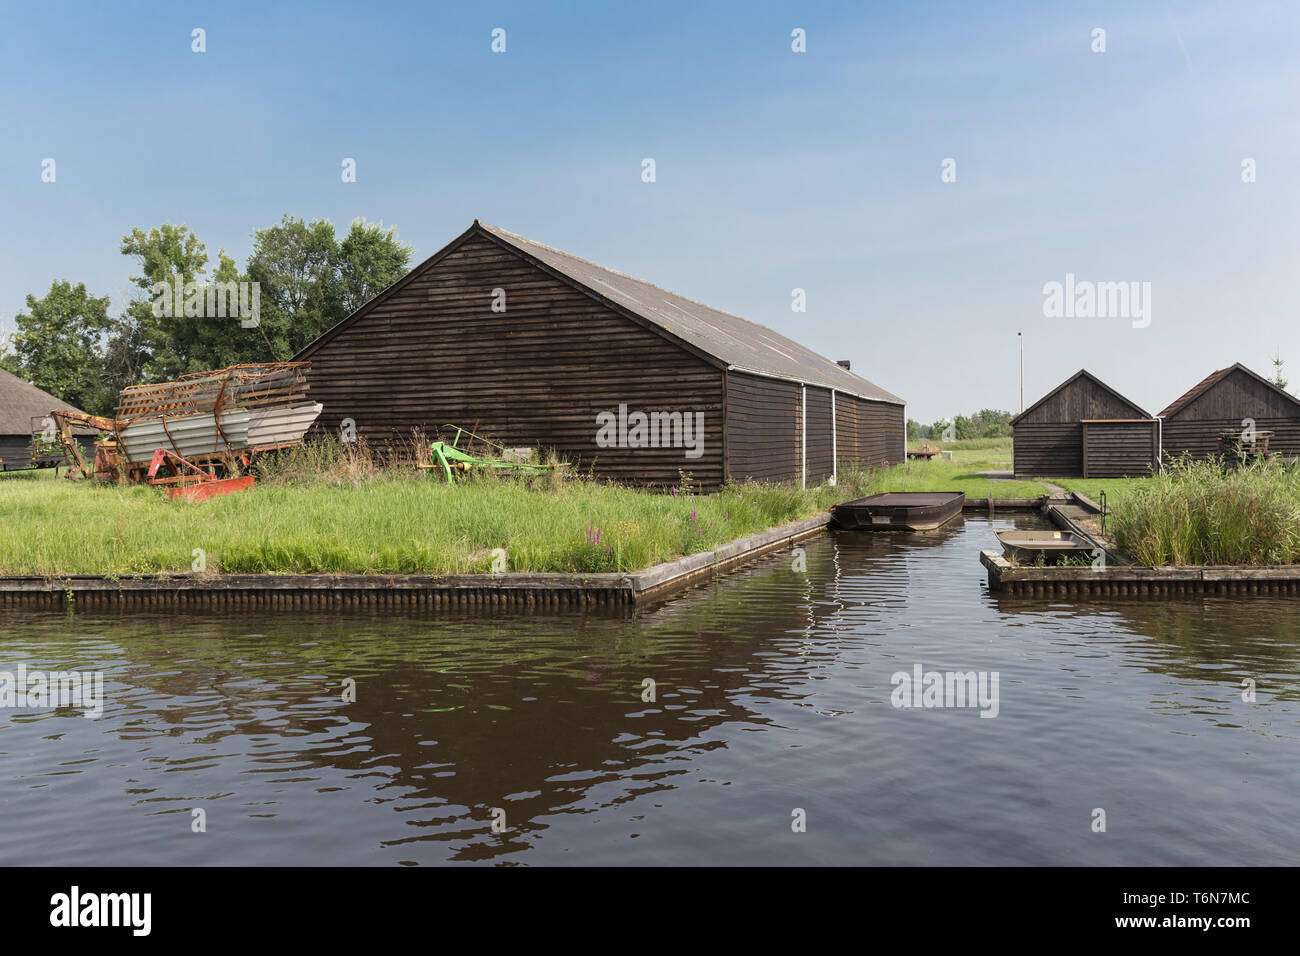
(19,447)
(1224,406)
(847,444)
(875,431)
(1048,438)
(1083,398)
(762,428)
(1048,449)
(537,374)
(763,436)
(15,446)
(821,460)
(1119,449)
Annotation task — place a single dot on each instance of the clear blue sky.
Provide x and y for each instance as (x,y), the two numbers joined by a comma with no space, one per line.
(775,170)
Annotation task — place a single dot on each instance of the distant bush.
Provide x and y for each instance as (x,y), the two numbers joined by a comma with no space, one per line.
(986,423)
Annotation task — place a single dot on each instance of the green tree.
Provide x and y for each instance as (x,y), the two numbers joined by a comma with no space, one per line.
(309,281)
(169,345)
(295,264)
(371,258)
(56,345)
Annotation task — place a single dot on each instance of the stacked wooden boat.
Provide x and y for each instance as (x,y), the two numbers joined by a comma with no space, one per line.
(237,410)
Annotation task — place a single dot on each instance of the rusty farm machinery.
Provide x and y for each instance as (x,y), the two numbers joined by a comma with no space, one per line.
(191,436)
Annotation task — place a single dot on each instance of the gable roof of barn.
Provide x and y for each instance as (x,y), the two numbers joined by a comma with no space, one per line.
(21,401)
(737,343)
(1083,373)
(1205,384)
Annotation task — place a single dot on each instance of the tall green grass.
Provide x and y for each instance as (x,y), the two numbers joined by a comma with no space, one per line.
(334,507)
(1199,513)
(334,510)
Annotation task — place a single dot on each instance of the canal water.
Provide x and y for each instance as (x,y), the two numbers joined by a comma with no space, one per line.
(772,736)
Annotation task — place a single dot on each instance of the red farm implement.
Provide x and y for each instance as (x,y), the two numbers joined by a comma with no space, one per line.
(187,480)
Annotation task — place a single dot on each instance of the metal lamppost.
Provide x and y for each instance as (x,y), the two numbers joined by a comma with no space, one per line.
(1021,336)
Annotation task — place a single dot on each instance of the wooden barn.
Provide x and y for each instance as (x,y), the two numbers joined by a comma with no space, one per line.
(534,347)
(1083,428)
(20,402)
(1226,401)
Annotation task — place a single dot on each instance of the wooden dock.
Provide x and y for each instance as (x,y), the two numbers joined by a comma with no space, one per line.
(1136,582)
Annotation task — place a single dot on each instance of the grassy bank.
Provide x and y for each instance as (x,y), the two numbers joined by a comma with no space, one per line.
(381,522)
(1116,489)
(961,473)
(327,509)
(1197,513)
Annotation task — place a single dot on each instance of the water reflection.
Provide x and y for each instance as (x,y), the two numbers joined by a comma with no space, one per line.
(772,692)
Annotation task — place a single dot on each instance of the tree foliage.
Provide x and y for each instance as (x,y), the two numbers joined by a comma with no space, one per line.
(56,344)
(180,318)
(986,423)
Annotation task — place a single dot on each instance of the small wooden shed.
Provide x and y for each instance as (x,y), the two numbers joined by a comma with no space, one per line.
(1083,428)
(1230,400)
(536,347)
(20,403)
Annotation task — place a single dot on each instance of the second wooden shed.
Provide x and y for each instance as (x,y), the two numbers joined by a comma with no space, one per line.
(1230,400)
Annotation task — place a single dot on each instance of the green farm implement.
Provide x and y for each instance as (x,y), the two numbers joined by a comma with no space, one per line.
(451,459)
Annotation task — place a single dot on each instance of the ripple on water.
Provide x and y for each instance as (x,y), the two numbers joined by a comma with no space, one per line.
(771,694)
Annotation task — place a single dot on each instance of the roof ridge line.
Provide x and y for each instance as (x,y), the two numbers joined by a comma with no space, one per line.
(499,231)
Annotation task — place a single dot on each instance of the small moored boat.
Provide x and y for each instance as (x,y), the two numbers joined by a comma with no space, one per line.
(899,511)
(1049,547)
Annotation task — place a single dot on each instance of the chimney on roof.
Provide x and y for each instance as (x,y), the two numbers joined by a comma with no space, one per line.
(844,364)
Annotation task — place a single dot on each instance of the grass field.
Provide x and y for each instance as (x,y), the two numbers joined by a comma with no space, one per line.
(382,523)
(328,513)
(961,473)
(1117,489)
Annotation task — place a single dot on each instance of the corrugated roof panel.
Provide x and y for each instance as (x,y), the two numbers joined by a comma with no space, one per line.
(740,343)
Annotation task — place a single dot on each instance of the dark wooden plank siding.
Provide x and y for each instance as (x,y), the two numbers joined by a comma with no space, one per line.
(538,374)
(1048,439)
(1082,398)
(763,433)
(15,446)
(1200,439)
(1119,449)
(821,461)
(847,445)
(762,428)
(1225,406)
(880,431)
(1048,449)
